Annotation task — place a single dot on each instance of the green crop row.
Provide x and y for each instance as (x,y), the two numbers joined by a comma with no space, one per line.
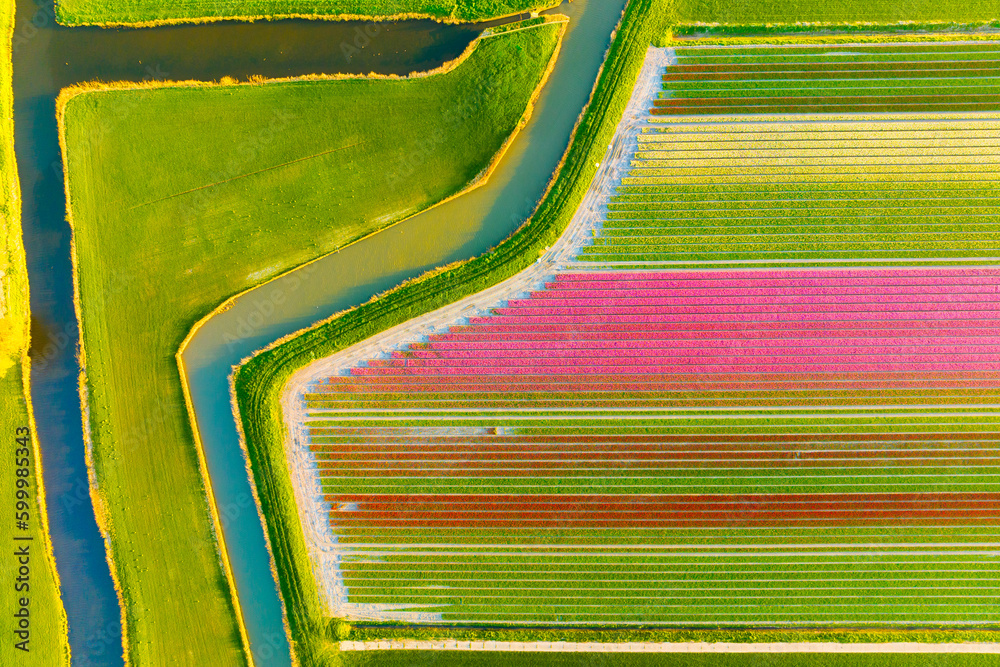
(462,658)
(777,89)
(708,54)
(954,208)
(793,535)
(833,58)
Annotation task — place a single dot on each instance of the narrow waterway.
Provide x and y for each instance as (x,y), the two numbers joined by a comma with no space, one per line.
(462,228)
(48,57)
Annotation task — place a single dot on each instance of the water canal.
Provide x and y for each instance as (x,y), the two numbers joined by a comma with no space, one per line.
(49,57)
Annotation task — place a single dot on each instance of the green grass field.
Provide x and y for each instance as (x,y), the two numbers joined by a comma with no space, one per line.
(21,472)
(48,641)
(741,12)
(307,167)
(78,12)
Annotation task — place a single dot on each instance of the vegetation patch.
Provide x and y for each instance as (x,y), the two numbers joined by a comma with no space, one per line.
(741,12)
(156,12)
(178,196)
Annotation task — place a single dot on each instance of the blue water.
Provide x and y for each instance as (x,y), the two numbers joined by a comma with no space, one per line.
(48,57)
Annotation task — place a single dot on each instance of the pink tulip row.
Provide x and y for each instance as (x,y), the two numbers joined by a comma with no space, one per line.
(817,277)
(708,352)
(491,334)
(888,326)
(635,299)
(684,366)
(500,345)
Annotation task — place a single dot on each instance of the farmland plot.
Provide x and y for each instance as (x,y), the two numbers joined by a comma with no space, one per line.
(657,433)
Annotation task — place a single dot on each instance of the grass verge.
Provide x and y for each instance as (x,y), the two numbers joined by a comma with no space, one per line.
(30,581)
(145,13)
(178,195)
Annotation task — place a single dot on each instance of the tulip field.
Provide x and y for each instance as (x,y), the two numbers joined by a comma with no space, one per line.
(763,392)
(819,185)
(681,447)
(832,79)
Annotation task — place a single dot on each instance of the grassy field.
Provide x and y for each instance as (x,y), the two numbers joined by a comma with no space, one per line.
(737,12)
(21,474)
(165,230)
(80,12)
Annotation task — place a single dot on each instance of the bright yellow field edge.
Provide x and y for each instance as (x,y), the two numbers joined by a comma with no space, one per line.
(251,18)
(97,497)
(14,307)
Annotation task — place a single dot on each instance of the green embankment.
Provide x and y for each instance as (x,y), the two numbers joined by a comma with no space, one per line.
(21,474)
(259,382)
(179,196)
(152,12)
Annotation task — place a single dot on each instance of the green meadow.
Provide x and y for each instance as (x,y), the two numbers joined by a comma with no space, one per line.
(20,473)
(730,12)
(742,12)
(79,12)
(182,196)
